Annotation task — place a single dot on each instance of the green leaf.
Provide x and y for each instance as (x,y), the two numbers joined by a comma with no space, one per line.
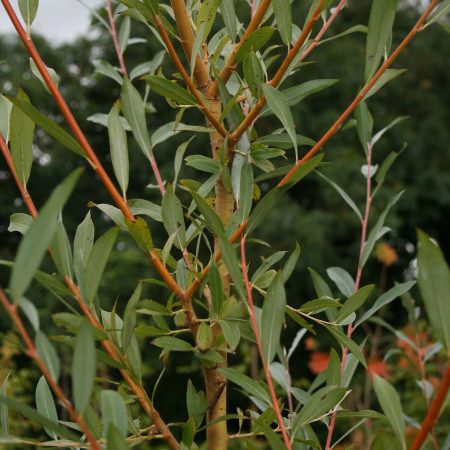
(114,412)
(129,317)
(115,439)
(203,163)
(97,262)
(283,141)
(108,70)
(62,251)
(272,318)
(5,113)
(343,280)
(364,124)
(82,246)
(280,107)
(118,147)
(231,333)
(254,42)
(53,75)
(385,299)
(245,192)
(441,10)
(229,17)
(344,195)
(253,73)
(173,218)
(216,288)
(33,246)
(273,439)
(133,109)
(21,139)
(289,267)
(196,403)
(20,222)
(354,302)
(387,76)
(333,371)
(48,354)
(204,337)
(381,20)
(228,253)
(434,284)
(392,408)
(28,10)
(46,405)
(145,208)
(345,341)
(320,403)
(249,385)
(34,417)
(172,344)
(283,17)
(170,89)
(84,367)
(49,126)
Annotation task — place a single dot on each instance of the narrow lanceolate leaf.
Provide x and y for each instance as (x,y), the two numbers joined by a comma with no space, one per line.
(46,405)
(354,302)
(28,10)
(381,20)
(53,75)
(33,246)
(129,318)
(118,147)
(5,112)
(283,17)
(229,17)
(173,218)
(82,246)
(385,299)
(253,73)
(21,139)
(84,367)
(280,107)
(48,354)
(20,222)
(114,412)
(133,109)
(170,89)
(254,42)
(216,288)
(97,262)
(62,251)
(434,284)
(249,385)
(272,318)
(345,341)
(392,408)
(48,125)
(115,439)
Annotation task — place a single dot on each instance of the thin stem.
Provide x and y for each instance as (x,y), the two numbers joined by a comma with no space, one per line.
(276,80)
(157,173)
(251,309)
(433,411)
(11,310)
(113,30)
(360,97)
(67,113)
(225,74)
(187,79)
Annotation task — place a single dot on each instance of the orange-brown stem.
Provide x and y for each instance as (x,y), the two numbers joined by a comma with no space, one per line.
(11,310)
(276,80)
(433,411)
(360,97)
(187,79)
(184,26)
(257,17)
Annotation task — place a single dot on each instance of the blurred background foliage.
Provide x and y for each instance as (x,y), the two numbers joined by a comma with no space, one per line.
(311,214)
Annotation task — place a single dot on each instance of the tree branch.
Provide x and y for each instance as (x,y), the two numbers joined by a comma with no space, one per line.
(113,31)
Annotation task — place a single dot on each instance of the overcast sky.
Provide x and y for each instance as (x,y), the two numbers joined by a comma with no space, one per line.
(58,20)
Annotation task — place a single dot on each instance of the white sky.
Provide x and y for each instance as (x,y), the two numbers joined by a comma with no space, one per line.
(58,20)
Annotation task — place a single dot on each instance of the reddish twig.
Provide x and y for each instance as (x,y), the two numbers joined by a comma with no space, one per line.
(113,31)
(266,368)
(360,97)
(11,310)
(157,173)
(276,80)
(433,411)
